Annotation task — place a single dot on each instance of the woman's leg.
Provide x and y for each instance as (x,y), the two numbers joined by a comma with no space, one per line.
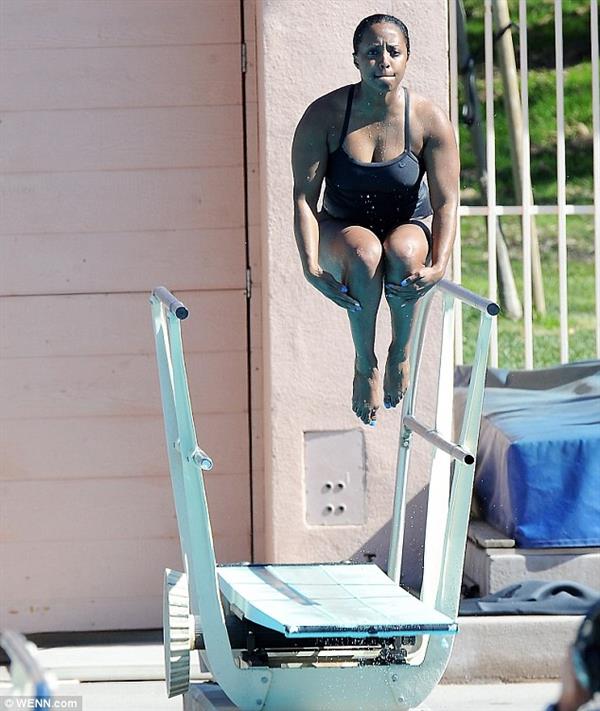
(354,256)
(406,249)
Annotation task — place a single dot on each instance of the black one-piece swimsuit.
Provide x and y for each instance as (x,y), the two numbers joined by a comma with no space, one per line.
(380,196)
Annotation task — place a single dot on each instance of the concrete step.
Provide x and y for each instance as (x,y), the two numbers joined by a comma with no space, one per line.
(492,561)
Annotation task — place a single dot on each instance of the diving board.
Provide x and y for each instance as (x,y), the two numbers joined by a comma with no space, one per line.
(328,600)
(324,636)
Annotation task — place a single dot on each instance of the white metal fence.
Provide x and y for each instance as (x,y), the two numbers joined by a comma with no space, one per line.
(527,209)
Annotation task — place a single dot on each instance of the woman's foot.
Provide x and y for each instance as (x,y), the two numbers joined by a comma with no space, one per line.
(395,381)
(366,393)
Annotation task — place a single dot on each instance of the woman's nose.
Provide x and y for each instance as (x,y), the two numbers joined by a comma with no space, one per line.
(384,60)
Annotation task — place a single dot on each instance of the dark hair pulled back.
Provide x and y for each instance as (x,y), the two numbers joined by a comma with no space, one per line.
(367,22)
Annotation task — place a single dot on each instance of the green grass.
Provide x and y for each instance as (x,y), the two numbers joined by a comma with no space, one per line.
(543,138)
(579,167)
(540,30)
(546,329)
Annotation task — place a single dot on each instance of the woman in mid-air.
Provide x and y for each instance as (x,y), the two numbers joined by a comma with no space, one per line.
(380,224)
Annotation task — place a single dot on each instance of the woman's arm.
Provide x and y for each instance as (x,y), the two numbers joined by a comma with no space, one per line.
(309,163)
(442,166)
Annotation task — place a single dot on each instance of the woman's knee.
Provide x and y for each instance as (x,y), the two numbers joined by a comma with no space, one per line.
(349,249)
(406,250)
(363,250)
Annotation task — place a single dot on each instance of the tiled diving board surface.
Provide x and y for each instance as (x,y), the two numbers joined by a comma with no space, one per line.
(328,600)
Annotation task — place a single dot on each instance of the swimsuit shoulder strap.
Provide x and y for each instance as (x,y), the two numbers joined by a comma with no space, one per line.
(347,116)
(406,122)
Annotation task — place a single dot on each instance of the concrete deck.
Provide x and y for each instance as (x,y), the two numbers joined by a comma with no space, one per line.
(151,696)
(487,649)
(481,697)
(117,672)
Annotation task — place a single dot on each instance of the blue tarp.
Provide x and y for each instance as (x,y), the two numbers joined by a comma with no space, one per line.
(538,462)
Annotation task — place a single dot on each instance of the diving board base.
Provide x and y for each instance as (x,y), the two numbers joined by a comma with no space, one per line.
(207,696)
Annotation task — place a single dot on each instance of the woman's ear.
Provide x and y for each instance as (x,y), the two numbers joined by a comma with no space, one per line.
(355,60)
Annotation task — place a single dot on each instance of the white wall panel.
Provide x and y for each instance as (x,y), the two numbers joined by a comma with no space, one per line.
(117,77)
(121,139)
(121,168)
(211,259)
(34,203)
(113,23)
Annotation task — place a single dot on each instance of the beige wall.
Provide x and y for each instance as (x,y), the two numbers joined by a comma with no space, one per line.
(122,168)
(304,51)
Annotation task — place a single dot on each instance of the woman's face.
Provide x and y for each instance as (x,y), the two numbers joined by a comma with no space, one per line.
(381,57)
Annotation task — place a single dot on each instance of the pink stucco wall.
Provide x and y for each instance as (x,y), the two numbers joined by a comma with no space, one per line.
(304,50)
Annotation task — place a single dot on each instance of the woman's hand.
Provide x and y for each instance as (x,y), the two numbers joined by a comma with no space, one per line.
(415,285)
(330,287)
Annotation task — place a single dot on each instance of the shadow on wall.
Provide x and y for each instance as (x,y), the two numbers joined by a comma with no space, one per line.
(376,549)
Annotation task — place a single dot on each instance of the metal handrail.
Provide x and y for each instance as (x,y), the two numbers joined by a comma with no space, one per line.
(468,297)
(25,667)
(434,437)
(171,302)
(447,534)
